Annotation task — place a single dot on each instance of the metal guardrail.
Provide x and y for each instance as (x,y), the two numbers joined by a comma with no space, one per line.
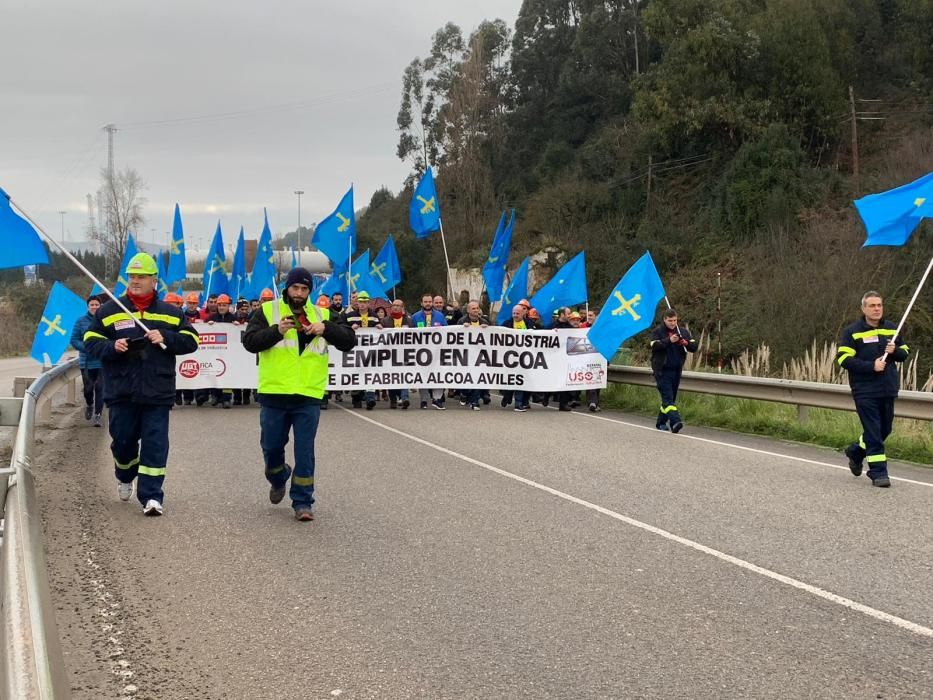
(909,404)
(31,660)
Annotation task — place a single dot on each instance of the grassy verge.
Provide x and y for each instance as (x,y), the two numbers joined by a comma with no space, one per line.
(911,440)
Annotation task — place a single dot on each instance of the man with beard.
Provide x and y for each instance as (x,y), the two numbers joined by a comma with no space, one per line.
(290,336)
(430,317)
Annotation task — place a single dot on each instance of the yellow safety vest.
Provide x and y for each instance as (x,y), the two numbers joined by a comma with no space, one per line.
(281,369)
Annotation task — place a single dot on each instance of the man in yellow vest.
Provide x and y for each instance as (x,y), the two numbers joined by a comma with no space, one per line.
(291,336)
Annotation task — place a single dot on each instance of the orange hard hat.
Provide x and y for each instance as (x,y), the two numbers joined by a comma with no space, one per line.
(533,313)
(223,299)
(171,298)
(266,294)
(323,301)
(193,296)
(525,303)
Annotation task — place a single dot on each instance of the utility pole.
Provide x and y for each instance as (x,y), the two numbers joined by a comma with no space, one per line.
(648,197)
(62,212)
(855,169)
(299,193)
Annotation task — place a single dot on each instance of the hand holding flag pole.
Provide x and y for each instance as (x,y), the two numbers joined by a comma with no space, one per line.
(87,273)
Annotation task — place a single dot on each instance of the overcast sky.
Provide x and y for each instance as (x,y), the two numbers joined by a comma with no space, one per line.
(310,92)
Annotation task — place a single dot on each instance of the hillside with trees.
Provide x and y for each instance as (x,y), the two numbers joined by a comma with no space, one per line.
(728,137)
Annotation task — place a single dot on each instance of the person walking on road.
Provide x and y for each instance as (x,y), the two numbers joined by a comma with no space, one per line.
(291,336)
(90,368)
(139,379)
(670,344)
(868,350)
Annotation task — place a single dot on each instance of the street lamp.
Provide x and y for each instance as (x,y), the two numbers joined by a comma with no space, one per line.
(299,193)
(63,223)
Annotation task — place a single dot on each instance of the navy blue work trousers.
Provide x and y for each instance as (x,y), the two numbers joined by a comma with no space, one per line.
(139,444)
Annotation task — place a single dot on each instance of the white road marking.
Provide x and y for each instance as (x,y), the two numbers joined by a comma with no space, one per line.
(728,558)
(680,436)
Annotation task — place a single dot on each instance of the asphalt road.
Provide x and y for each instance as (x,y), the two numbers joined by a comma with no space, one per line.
(495,555)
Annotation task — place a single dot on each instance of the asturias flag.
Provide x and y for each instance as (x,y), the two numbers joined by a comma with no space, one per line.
(215,275)
(53,335)
(517,291)
(263,276)
(20,245)
(424,212)
(385,267)
(890,217)
(494,268)
(567,287)
(629,309)
(238,282)
(335,236)
(177,265)
(128,254)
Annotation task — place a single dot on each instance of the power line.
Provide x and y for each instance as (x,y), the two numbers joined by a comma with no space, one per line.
(289,106)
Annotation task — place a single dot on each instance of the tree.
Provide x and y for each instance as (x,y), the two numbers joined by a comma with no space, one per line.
(123,202)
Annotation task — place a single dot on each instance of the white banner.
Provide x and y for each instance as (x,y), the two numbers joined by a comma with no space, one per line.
(414,358)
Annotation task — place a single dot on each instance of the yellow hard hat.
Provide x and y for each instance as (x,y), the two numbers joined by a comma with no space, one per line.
(141,264)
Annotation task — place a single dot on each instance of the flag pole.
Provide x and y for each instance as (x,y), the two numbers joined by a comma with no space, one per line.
(450,283)
(81,267)
(923,280)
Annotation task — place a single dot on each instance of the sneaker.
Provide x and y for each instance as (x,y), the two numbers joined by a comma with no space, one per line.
(227,404)
(438,404)
(303,514)
(213,401)
(593,407)
(424,404)
(854,466)
(463,402)
(370,405)
(474,406)
(574,404)
(546,401)
(405,404)
(277,493)
(662,426)
(96,420)
(88,410)
(520,409)
(125,491)
(338,397)
(677,427)
(505,402)
(152,508)
(882,481)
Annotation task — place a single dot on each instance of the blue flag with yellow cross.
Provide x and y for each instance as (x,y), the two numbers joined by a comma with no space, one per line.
(62,310)
(629,309)
(424,211)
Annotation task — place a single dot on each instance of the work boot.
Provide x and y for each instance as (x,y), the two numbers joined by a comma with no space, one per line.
(677,427)
(882,481)
(88,410)
(855,466)
(405,404)
(393,403)
(370,405)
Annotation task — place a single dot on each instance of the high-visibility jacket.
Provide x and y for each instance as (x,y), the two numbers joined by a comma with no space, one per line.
(859,347)
(285,368)
(145,373)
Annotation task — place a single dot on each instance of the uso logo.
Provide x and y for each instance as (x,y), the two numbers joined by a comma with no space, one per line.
(189,369)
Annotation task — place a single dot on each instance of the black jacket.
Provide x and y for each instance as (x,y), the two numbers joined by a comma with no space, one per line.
(859,347)
(666,355)
(145,373)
